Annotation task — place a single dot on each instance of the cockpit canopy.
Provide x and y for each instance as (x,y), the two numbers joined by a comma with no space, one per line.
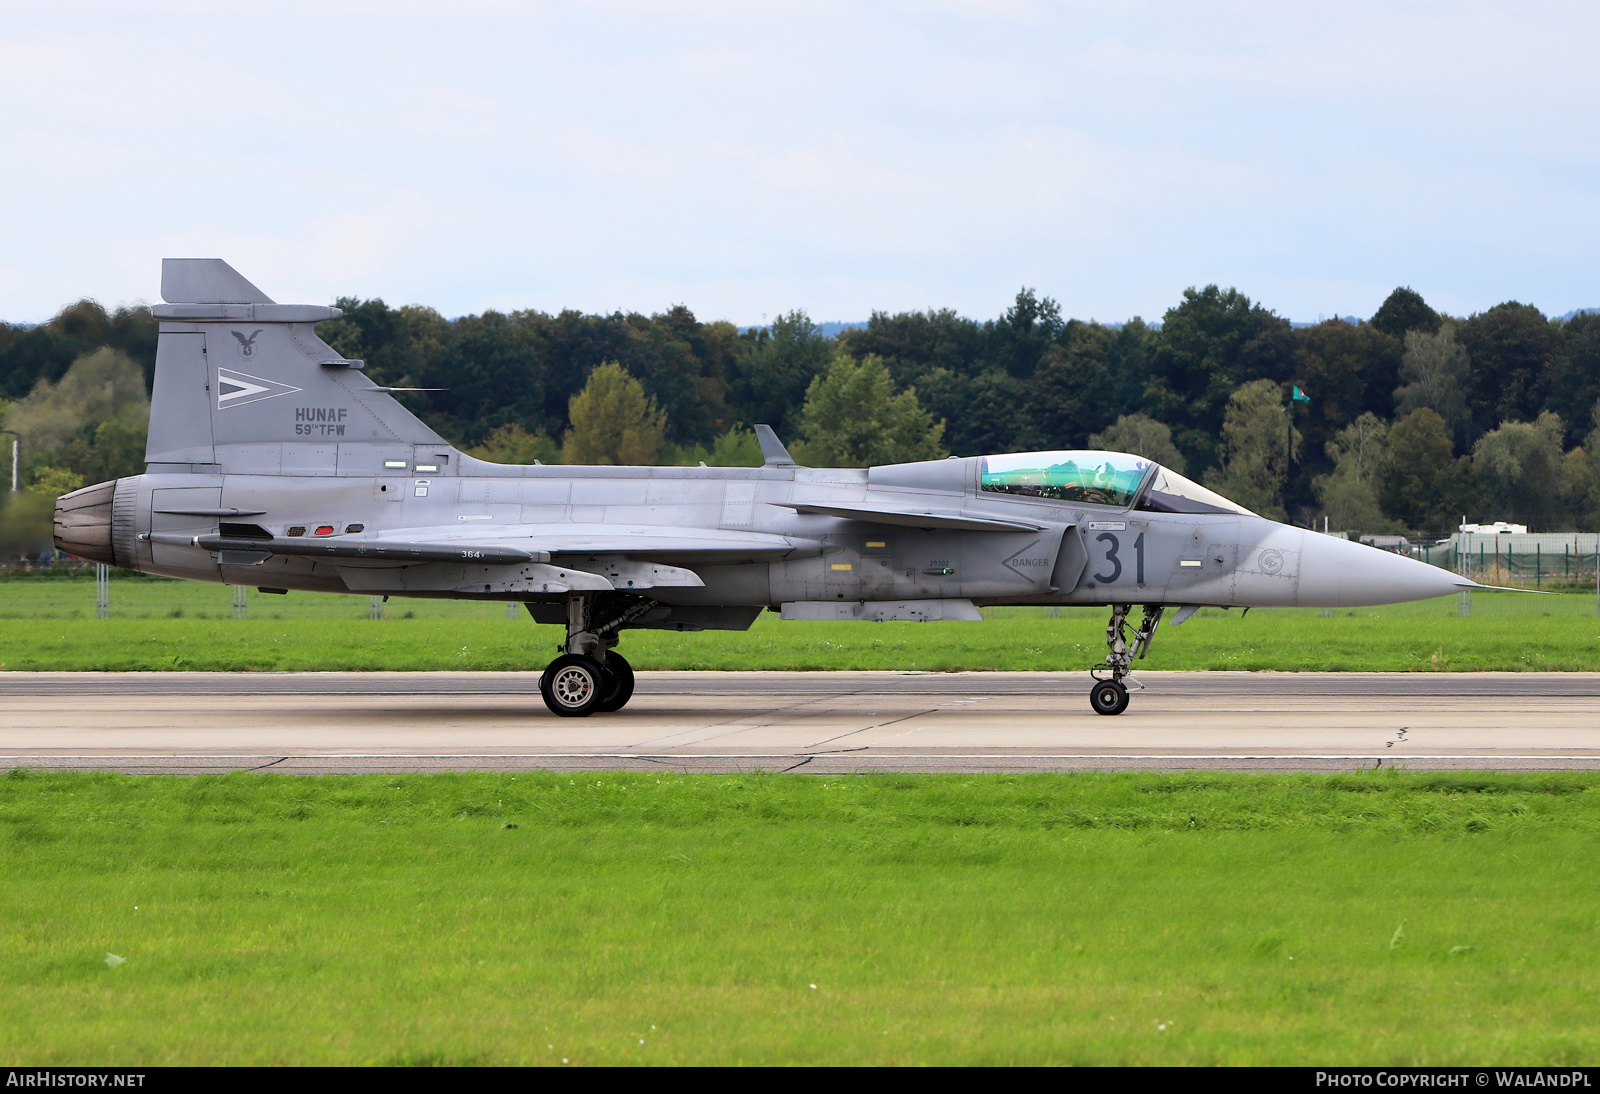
(1169,492)
(1100,478)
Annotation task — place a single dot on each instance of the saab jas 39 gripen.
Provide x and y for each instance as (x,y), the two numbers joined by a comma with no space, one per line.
(274,462)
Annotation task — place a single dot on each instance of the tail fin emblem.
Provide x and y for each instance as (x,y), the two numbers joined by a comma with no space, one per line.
(247,346)
(238,388)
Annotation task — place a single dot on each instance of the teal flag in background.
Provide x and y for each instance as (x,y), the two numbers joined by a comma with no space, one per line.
(1299,396)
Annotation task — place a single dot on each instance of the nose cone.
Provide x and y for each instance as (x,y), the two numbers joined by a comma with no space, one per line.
(1335,573)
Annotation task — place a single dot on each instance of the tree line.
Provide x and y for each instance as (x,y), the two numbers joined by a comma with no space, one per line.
(1410,420)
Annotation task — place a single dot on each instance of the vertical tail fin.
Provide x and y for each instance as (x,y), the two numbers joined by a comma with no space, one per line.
(243,384)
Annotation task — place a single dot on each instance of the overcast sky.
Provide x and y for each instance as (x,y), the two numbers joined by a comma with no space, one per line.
(748,158)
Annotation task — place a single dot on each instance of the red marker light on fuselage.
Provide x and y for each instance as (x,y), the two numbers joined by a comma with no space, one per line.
(324,529)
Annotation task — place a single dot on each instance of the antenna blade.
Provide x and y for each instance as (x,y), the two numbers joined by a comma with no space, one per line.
(772,450)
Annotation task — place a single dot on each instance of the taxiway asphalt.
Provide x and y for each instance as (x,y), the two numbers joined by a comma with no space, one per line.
(815,722)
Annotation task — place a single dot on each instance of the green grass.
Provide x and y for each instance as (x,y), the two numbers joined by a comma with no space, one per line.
(1373,919)
(162,625)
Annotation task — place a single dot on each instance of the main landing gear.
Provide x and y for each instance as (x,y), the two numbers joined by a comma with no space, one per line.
(590,675)
(1109,694)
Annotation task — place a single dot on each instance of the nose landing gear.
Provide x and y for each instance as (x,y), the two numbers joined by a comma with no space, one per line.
(1109,695)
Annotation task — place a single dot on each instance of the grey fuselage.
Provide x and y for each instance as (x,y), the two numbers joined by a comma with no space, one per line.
(744,534)
(275,463)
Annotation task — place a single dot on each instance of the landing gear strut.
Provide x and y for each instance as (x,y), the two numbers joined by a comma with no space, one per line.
(1109,694)
(589,675)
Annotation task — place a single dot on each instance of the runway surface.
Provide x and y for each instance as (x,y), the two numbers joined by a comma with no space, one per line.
(816,722)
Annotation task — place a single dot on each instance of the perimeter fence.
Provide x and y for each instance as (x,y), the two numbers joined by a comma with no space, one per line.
(1538,560)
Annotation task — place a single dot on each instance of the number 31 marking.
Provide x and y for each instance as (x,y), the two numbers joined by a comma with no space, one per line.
(1113,545)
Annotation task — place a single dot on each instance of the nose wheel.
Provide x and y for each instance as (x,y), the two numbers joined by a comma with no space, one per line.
(1110,695)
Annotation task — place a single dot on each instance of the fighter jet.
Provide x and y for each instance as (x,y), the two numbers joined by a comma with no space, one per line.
(273,461)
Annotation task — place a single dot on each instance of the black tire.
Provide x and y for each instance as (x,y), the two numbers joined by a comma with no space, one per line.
(1108,697)
(572,686)
(619,683)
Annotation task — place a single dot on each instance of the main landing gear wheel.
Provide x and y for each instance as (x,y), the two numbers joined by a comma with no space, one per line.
(619,683)
(574,686)
(1108,697)
(590,675)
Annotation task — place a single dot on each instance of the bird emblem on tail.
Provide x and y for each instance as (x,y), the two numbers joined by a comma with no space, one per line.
(247,346)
